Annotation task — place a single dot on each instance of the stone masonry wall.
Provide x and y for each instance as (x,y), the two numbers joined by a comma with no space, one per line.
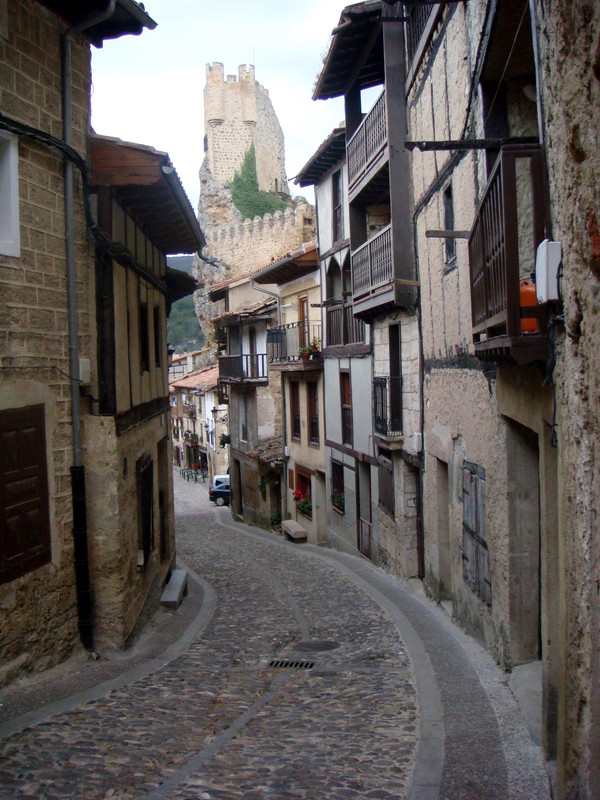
(38,617)
(570,59)
(237,113)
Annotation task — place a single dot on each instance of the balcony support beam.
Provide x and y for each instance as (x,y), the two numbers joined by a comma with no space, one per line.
(469,144)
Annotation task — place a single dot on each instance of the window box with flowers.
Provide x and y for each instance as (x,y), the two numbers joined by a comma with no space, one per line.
(311,350)
(337,501)
(303,503)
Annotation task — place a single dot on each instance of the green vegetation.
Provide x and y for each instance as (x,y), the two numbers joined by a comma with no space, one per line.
(183,330)
(249,200)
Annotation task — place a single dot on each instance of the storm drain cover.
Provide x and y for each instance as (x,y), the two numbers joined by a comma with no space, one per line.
(286,663)
(317,647)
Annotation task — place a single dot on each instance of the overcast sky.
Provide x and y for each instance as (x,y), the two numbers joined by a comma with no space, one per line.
(149,88)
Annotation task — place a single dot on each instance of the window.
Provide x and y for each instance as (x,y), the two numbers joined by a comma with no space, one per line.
(450,244)
(10,241)
(337,486)
(312,403)
(346,404)
(302,495)
(475,557)
(24,514)
(337,207)
(144,342)
(295,410)
(157,337)
(385,474)
(144,470)
(243,418)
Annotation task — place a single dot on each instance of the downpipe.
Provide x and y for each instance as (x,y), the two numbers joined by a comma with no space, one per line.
(78,492)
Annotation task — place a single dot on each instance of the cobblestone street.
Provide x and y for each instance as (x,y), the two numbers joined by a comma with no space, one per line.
(375,693)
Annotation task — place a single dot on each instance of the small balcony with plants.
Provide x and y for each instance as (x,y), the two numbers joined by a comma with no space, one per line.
(295,346)
(510,224)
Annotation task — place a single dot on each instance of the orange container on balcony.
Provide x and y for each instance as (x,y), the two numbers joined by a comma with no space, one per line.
(528,299)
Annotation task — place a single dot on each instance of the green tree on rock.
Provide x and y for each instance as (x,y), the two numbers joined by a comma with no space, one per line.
(249,200)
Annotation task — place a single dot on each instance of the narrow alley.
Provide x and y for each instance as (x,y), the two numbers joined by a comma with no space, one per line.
(289,672)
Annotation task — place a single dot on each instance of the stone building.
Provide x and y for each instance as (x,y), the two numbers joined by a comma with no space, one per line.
(86,528)
(238,115)
(254,418)
(498,102)
(294,355)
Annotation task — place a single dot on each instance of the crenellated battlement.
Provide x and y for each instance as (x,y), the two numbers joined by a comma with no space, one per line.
(251,243)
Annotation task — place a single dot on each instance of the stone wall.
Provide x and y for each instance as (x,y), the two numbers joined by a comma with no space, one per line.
(238,113)
(38,614)
(570,60)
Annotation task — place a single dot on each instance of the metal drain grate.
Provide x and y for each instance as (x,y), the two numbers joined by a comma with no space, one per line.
(286,663)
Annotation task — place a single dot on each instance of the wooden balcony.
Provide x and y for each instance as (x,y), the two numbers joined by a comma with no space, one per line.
(342,327)
(245,368)
(511,221)
(387,406)
(372,263)
(367,149)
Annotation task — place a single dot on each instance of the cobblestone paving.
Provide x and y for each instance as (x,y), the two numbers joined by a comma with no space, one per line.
(219,721)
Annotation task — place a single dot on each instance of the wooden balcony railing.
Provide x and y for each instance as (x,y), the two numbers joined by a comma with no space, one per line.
(342,326)
(511,222)
(372,263)
(245,367)
(285,341)
(368,142)
(387,405)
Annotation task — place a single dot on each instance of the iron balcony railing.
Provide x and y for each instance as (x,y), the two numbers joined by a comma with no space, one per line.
(372,263)
(387,406)
(368,142)
(284,343)
(245,367)
(189,410)
(509,225)
(342,327)
(313,429)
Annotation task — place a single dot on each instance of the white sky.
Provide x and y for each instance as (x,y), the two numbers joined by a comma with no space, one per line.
(149,88)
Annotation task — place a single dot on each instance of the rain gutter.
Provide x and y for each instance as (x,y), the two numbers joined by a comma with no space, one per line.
(79,501)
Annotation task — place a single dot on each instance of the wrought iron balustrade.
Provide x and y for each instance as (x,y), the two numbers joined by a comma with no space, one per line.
(387,405)
(284,342)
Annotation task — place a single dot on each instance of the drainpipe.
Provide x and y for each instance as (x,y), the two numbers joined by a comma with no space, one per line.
(80,538)
(272,294)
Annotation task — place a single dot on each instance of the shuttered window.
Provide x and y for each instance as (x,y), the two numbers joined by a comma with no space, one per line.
(476,561)
(24,515)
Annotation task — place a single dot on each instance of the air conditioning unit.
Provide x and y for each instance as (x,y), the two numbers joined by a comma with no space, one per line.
(547,264)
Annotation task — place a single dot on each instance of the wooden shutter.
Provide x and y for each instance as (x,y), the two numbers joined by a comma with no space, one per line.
(24,514)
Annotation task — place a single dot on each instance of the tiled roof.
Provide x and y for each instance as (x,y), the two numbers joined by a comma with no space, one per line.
(203,379)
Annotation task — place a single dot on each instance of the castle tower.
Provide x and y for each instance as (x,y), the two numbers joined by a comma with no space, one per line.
(238,113)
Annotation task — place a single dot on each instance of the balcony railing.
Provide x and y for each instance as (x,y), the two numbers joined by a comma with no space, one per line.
(387,406)
(369,140)
(510,224)
(189,410)
(343,327)
(285,341)
(246,367)
(372,263)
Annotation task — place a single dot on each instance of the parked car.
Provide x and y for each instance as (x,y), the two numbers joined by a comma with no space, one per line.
(218,490)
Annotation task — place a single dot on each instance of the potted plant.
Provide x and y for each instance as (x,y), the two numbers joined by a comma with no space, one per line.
(337,501)
(303,503)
